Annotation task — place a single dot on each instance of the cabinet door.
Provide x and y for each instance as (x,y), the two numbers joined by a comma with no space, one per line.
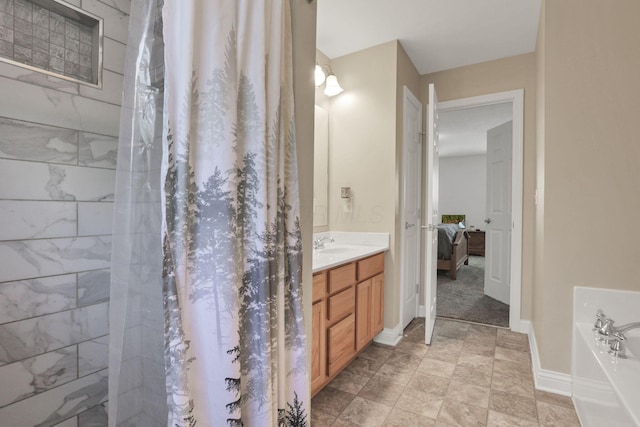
(318,345)
(377,306)
(364,298)
(342,343)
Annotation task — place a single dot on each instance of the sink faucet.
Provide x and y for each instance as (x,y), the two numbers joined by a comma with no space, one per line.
(319,242)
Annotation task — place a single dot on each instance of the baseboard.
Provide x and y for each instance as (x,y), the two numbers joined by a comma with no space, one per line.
(390,336)
(546,380)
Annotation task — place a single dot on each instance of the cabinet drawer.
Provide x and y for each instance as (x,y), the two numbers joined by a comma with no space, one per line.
(342,277)
(319,286)
(341,343)
(342,304)
(370,266)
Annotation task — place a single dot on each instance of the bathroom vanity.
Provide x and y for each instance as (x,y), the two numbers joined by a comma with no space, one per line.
(348,306)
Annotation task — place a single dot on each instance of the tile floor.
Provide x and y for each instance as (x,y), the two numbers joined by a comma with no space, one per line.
(471,375)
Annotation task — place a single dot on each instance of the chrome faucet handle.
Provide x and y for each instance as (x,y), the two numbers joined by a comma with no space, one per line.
(600,318)
(606,330)
(616,346)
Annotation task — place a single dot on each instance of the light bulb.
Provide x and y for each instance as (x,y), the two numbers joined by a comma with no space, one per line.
(332,87)
(319,75)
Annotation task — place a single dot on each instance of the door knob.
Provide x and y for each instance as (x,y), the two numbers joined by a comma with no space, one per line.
(488,220)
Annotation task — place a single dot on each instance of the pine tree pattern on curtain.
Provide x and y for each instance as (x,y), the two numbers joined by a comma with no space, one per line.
(235,343)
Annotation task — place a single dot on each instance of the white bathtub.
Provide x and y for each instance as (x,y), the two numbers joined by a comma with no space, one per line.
(606,390)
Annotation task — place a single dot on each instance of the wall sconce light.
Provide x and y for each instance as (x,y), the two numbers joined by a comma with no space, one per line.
(324,74)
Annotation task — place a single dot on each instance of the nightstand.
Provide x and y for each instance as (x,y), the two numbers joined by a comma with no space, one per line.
(476,242)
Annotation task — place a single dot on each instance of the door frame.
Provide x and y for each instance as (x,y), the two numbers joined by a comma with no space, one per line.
(516,97)
(408,96)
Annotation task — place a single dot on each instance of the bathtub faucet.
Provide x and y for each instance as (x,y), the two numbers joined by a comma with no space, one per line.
(629,326)
(616,346)
(615,336)
(600,318)
(608,331)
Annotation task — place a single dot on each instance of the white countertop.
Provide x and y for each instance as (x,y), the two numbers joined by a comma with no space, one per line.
(347,247)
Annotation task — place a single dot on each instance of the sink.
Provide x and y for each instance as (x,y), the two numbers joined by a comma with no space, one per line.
(345,247)
(336,250)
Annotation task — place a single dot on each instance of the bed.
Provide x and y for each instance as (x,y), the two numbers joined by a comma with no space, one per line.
(453,244)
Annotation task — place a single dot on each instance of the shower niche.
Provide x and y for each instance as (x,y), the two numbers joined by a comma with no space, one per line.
(52,37)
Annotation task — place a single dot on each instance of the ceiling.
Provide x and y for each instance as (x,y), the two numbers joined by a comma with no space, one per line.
(436,34)
(464,132)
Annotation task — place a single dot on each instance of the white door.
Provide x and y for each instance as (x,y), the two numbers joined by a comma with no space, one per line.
(498,219)
(412,170)
(431,216)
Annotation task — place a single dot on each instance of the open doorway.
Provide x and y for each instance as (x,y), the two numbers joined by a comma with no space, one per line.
(468,183)
(513,239)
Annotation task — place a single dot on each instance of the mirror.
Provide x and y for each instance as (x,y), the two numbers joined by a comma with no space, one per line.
(321,168)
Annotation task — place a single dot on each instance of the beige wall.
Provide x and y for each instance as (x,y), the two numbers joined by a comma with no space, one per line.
(538,268)
(517,72)
(590,60)
(303,16)
(362,150)
(365,128)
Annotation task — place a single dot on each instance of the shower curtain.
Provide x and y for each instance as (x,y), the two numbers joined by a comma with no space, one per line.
(208,243)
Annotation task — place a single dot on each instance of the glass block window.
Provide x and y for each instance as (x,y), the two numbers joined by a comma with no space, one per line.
(52,36)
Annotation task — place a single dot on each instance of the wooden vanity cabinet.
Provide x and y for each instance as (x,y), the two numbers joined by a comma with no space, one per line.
(347,313)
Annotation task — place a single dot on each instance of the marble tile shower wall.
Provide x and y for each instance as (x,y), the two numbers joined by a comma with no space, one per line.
(58,142)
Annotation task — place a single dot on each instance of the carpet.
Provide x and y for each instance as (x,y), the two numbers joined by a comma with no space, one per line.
(464,298)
